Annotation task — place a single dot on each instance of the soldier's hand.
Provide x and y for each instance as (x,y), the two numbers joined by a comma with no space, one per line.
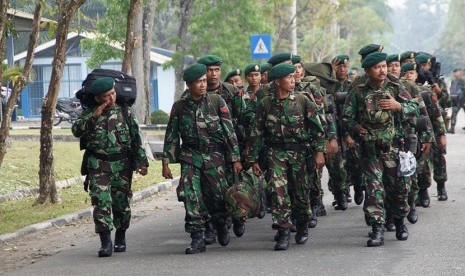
(319,160)
(99,110)
(436,89)
(166,172)
(362,131)
(426,148)
(256,169)
(442,142)
(390,104)
(350,143)
(142,170)
(237,167)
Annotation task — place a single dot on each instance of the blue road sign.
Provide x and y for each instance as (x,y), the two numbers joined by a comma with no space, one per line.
(260,46)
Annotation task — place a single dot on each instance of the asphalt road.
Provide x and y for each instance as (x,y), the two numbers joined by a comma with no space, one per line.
(156,243)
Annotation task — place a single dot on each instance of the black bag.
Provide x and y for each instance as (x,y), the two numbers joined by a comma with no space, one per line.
(125,86)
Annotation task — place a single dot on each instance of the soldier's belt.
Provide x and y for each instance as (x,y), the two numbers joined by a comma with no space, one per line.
(204,148)
(287,146)
(110,157)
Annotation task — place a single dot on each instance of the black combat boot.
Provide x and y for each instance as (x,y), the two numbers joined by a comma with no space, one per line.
(401,229)
(197,243)
(209,234)
(106,248)
(358,195)
(262,212)
(238,227)
(389,224)
(377,236)
(341,201)
(412,216)
(442,194)
(293,228)
(223,234)
(321,209)
(424,197)
(120,240)
(451,130)
(348,196)
(313,220)
(301,236)
(282,242)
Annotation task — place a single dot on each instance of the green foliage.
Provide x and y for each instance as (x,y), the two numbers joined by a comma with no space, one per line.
(159,117)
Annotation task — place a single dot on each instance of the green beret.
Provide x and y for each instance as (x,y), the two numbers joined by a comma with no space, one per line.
(210,60)
(296,59)
(253,67)
(341,59)
(235,72)
(407,54)
(373,59)
(280,58)
(423,58)
(264,67)
(368,49)
(408,67)
(394,57)
(281,70)
(101,86)
(194,72)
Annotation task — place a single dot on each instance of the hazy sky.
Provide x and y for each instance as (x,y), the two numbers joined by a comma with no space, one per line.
(396,3)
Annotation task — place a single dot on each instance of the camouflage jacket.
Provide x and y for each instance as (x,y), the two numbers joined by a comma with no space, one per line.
(361,110)
(206,132)
(114,134)
(286,123)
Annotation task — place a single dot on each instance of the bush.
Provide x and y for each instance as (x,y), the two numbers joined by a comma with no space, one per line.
(159,117)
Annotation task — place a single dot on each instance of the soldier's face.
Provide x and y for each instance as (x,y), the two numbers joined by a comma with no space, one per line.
(253,78)
(109,97)
(286,83)
(198,88)
(299,71)
(408,60)
(411,75)
(377,73)
(264,77)
(425,66)
(394,68)
(213,75)
(341,71)
(236,81)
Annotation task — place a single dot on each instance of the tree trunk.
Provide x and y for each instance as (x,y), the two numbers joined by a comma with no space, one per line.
(149,17)
(130,40)
(47,183)
(186,9)
(21,81)
(137,64)
(3,29)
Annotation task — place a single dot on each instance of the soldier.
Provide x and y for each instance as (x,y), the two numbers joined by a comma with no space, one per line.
(113,151)
(264,69)
(422,179)
(204,125)
(438,94)
(393,65)
(234,78)
(457,88)
(407,57)
(286,122)
(373,111)
(241,117)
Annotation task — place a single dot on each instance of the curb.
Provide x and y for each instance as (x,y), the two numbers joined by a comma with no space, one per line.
(65,219)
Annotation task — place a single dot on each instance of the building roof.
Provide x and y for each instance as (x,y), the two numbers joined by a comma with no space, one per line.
(158,55)
(23,20)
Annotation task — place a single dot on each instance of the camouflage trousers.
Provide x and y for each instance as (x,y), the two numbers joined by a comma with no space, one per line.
(110,195)
(203,193)
(434,162)
(455,112)
(289,187)
(354,168)
(337,174)
(383,187)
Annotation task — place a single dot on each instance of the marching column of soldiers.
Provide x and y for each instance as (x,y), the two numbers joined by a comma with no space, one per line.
(259,146)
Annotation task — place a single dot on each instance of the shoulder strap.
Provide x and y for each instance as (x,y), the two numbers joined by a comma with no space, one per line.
(300,102)
(214,99)
(267,103)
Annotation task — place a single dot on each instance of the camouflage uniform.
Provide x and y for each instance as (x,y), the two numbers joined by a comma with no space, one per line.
(207,136)
(457,88)
(113,150)
(285,128)
(380,146)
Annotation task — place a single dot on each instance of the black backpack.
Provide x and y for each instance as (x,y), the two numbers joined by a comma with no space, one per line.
(125,86)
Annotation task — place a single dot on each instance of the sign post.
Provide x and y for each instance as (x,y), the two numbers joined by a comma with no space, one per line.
(260,46)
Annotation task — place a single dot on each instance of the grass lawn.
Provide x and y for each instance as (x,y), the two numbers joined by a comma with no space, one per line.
(20,170)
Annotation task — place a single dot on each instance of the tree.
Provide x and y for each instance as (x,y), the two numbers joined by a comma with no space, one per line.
(149,17)
(20,80)
(47,185)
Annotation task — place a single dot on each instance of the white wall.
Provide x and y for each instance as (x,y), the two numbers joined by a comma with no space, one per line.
(166,87)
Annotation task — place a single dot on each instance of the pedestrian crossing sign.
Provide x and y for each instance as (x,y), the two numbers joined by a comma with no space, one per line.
(260,46)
